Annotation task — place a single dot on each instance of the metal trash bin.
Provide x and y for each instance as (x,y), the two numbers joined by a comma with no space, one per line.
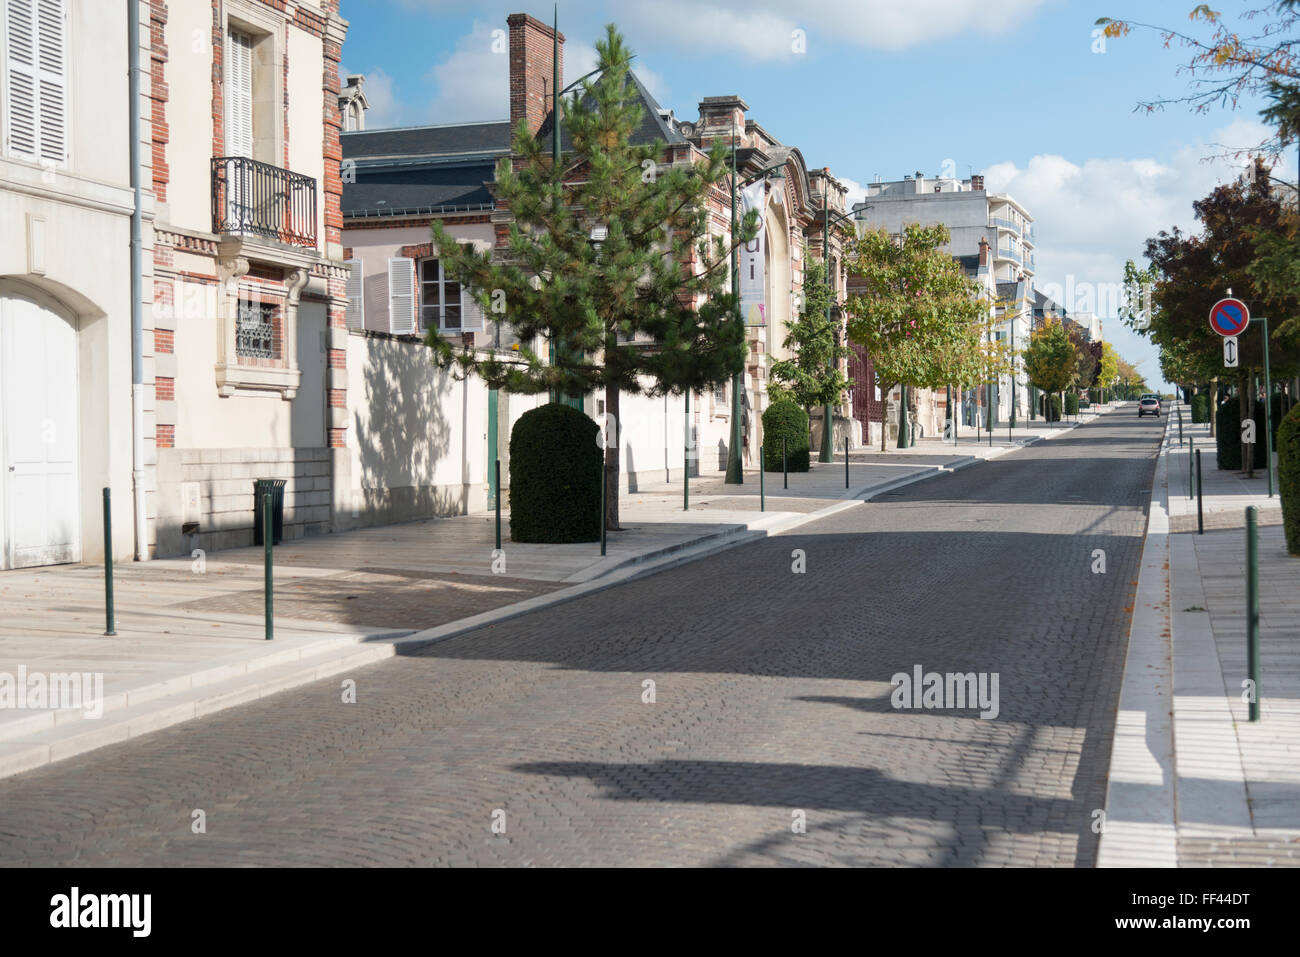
(276,488)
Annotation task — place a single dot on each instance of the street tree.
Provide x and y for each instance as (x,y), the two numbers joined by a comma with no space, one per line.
(914,308)
(1050,359)
(812,376)
(1109,366)
(609,260)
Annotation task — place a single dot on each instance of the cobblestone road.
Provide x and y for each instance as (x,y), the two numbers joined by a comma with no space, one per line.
(772,699)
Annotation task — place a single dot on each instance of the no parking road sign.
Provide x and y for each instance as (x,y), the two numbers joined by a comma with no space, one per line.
(1229,317)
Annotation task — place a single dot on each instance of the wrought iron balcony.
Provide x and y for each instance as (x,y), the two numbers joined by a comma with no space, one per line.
(255,198)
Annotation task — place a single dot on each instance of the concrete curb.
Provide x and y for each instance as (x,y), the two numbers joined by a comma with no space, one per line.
(1141,799)
(70,734)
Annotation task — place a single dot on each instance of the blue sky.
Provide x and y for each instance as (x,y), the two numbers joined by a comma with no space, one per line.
(1015,89)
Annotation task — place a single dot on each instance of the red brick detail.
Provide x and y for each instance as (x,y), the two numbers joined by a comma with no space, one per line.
(531,71)
(338,398)
(158,96)
(332,150)
(164,341)
(312,23)
(338,359)
(338,438)
(422,251)
(164,388)
(218,100)
(347,252)
(165,436)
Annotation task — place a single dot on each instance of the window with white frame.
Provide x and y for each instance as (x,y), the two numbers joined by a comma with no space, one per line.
(440,299)
(35,80)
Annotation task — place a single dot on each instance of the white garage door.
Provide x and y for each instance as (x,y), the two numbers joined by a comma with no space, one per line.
(38,416)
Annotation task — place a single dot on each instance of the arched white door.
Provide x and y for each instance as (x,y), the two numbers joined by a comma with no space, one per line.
(41,522)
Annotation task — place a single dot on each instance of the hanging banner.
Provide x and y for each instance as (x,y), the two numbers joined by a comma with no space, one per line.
(753,278)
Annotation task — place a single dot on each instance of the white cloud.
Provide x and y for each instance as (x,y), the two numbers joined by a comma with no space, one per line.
(857,192)
(473,81)
(763,29)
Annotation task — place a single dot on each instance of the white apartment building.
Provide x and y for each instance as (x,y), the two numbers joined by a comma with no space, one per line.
(970,212)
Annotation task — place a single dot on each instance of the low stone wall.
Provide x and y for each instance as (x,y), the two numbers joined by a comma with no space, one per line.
(205,496)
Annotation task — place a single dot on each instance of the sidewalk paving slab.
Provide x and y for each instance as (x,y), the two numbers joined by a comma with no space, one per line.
(1236,783)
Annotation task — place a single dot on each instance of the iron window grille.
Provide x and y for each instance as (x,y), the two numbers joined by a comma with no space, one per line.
(255,331)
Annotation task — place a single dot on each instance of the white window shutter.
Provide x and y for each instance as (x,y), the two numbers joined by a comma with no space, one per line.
(239,95)
(52,98)
(21,79)
(471,313)
(356,299)
(401,296)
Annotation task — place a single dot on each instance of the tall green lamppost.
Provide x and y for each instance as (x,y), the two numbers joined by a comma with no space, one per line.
(828,413)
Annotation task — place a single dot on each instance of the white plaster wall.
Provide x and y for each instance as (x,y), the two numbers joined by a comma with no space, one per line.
(651,438)
(409,423)
(306,134)
(205,420)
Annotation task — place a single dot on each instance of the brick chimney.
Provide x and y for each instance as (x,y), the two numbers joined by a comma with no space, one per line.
(531,50)
(984,252)
(719,115)
(977,182)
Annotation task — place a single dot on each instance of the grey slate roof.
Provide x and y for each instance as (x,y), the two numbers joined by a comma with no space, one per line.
(653,128)
(421,141)
(422,169)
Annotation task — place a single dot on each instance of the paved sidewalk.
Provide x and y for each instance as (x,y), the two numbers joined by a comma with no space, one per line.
(190,632)
(1219,790)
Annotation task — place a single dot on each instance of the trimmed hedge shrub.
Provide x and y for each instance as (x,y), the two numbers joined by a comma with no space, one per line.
(784,419)
(1227,437)
(555,476)
(1071,403)
(1288,476)
(1200,407)
(1053,408)
(1278,415)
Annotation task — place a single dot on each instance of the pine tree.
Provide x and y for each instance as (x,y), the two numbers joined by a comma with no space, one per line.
(610,259)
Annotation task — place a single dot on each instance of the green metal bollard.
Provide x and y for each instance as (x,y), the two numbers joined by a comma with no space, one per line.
(762,485)
(1191,482)
(1252,607)
(1200,497)
(267,539)
(846,461)
(785,467)
(110,625)
(498,503)
(603,479)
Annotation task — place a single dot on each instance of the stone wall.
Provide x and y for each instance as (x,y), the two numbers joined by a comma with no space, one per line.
(206,495)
